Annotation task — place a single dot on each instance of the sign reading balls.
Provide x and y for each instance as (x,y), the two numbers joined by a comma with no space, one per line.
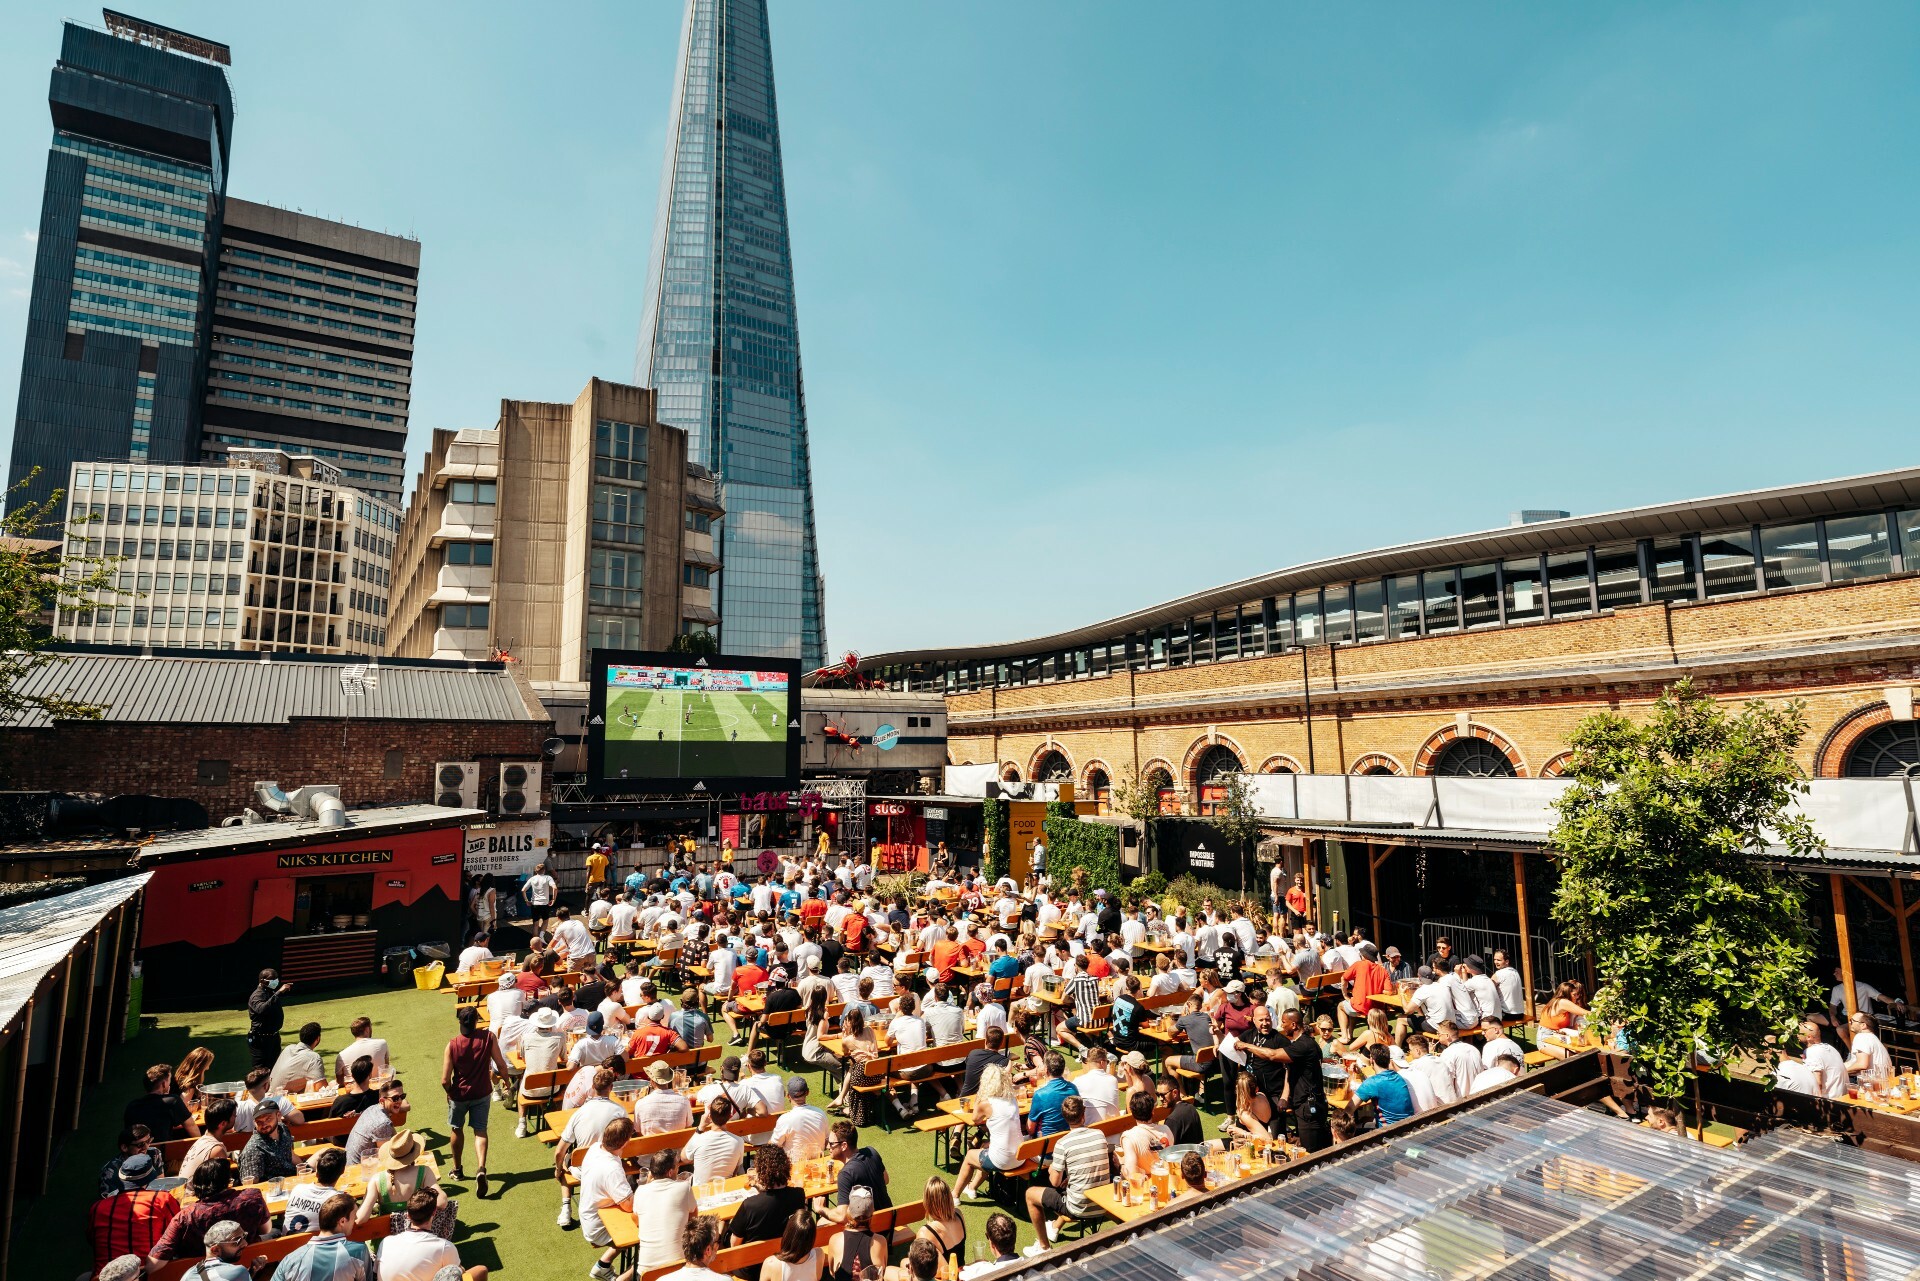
(508,849)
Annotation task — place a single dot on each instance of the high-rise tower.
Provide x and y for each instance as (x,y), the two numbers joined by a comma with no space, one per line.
(719,339)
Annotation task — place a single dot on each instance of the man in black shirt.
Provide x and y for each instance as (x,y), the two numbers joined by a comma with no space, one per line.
(1109,918)
(264,1017)
(159,1109)
(859,1168)
(995,1037)
(359,1097)
(1292,1049)
(1183,1119)
(589,994)
(1128,1014)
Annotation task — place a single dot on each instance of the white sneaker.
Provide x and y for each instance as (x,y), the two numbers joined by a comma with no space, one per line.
(566,1216)
(1034,1250)
(1053,1231)
(520,1130)
(601,1272)
(976,1193)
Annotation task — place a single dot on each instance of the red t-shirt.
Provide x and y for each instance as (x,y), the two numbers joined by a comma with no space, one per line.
(130,1223)
(529,982)
(854,930)
(812,912)
(650,1039)
(945,955)
(1370,979)
(748,977)
(975,948)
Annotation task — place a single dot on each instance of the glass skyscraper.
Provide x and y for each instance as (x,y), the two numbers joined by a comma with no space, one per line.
(719,340)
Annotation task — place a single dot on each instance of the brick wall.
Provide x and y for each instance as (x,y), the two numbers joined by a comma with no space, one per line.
(164,760)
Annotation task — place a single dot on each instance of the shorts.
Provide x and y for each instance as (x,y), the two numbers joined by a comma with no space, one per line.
(1188,1063)
(1054,1202)
(992,1166)
(472,1113)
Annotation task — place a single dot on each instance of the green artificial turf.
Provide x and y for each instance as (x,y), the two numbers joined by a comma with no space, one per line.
(512,1231)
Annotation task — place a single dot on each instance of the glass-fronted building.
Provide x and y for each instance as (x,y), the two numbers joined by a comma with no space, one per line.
(115,364)
(719,339)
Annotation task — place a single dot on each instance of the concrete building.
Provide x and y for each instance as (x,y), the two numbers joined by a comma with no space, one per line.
(272,551)
(1476,654)
(312,349)
(117,321)
(563,528)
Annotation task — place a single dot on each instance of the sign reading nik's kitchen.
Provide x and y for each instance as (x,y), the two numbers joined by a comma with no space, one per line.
(508,849)
(333,858)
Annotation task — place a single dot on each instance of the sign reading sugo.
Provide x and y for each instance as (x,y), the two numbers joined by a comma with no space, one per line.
(333,858)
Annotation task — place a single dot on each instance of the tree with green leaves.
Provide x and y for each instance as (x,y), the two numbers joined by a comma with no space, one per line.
(1137,796)
(1702,948)
(695,644)
(1238,821)
(38,575)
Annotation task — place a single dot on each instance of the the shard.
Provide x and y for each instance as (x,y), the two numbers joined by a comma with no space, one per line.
(719,339)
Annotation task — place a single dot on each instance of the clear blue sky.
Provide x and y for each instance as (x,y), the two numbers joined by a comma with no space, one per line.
(1101,303)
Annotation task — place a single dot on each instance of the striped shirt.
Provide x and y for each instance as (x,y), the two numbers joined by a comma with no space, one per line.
(1085,992)
(130,1223)
(1082,1154)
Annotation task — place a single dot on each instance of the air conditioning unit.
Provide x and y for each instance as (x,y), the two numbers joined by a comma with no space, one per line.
(520,787)
(457,784)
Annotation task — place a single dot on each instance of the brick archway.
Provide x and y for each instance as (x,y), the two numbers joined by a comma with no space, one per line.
(1430,750)
(1010,772)
(1378,763)
(1043,751)
(1830,758)
(1557,767)
(1086,773)
(1280,763)
(1162,765)
(1188,778)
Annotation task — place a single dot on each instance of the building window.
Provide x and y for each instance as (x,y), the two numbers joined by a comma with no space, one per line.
(1520,581)
(1670,570)
(615,578)
(619,451)
(474,491)
(606,631)
(469,553)
(1403,606)
(1858,547)
(1369,621)
(619,514)
(1479,596)
(1790,555)
(212,773)
(1307,619)
(1907,522)
(1617,574)
(1569,585)
(463,617)
(1885,751)
(1727,559)
(394,766)
(695,575)
(1441,589)
(699,522)
(1473,758)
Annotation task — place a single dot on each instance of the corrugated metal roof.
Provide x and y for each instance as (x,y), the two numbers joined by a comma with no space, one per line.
(240,838)
(269,689)
(35,936)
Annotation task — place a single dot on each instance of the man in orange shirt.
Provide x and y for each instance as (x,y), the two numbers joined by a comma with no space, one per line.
(945,954)
(747,979)
(812,912)
(1365,979)
(1096,957)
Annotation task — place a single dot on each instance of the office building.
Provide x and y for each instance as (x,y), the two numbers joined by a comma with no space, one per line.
(1473,655)
(272,551)
(563,528)
(312,346)
(118,317)
(719,340)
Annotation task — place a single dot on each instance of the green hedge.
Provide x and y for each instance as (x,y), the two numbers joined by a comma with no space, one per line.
(1094,846)
(994,830)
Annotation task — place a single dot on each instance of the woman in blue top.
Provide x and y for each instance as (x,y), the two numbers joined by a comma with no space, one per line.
(1386,1089)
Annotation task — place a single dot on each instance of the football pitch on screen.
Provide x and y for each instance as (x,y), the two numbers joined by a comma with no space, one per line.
(687,733)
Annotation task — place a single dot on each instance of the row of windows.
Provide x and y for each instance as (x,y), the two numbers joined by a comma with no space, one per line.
(314,269)
(367,571)
(303,449)
(261,380)
(185,517)
(308,353)
(367,540)
(216,584)
(619,451)
(116,220)
(366,602)
(366,509)
(616,578)
(318,304)
(459,617)
(696,575)
(158,481)
(140,202)
(132,285)
(308,371)
(1509,592)
(315,407)
(166,616)
(70,142)
(470,553)
(323,321)
(115,302)
(81,320)
(158,549)
(335,290)
(483,492)
(366,634)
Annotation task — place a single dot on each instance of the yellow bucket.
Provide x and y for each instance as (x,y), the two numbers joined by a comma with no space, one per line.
(427,977)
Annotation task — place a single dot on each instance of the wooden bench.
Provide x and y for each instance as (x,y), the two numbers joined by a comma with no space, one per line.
(1204,1057)
(277,1248)
(941,1125)
(887,1069)
(555,1080)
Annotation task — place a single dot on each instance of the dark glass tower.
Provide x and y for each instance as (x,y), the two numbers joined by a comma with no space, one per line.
(719,340)
(115,362)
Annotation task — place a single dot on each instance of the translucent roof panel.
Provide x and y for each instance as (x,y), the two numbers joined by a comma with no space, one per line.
(1527,1187)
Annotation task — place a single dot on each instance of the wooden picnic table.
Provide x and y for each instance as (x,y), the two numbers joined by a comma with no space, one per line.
(822,1178)
(353,1181)
(1158,949)
(1140,1205)
(1392,1000)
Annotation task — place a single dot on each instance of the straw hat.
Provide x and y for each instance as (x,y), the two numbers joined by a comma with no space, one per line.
(400,1151)
(546,1018)
(660,1072)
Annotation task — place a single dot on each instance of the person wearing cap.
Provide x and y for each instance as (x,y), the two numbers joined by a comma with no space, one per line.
(1397,966)
(597,864)
(660,1110)
(226,1242)
(476,953)
(802,1129)
(651,1036)
(596,1047)
(857,1250)
(214,1199)
(1134,1076)
(378,1124)
(269,1153)
(133,1220)
(507,1001)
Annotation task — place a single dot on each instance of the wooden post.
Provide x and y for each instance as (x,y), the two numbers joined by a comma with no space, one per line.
(1901,913)
(1373,889)
(1526,934)
(1840,938)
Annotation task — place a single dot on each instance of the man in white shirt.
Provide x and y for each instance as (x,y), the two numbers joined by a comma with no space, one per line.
(1485,996)
(506,1002)
(802,1128)
(475,953)
(1418,1077)
(1048,913)
(596,1047)
(1243,928)
(1098,1087)
(584,1129)
(1503,1069)
(1466,1011)
(571,940)
(764,1083)
(539,893)
(1426,1064)
(721,962)
(417,1254)
(1828,1068)
(603,1186)
(1460,1059)
(1495,1042)
(298,1063)
(365,1045)
(712,1152)
(884,985)
(1867,1057)
(1429,1001)
(624,918)
(1511,986)
(1133,932)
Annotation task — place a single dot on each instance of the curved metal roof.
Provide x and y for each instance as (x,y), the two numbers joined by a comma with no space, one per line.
(1665,520)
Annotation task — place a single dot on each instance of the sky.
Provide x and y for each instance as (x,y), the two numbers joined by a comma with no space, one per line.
(1104,303)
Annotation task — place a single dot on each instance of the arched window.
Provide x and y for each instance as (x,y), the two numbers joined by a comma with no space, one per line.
(1210,776)
(1162,784)
(1100,790)
(1052,767)
(1473,758)
(1882,752)
(1372,770)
